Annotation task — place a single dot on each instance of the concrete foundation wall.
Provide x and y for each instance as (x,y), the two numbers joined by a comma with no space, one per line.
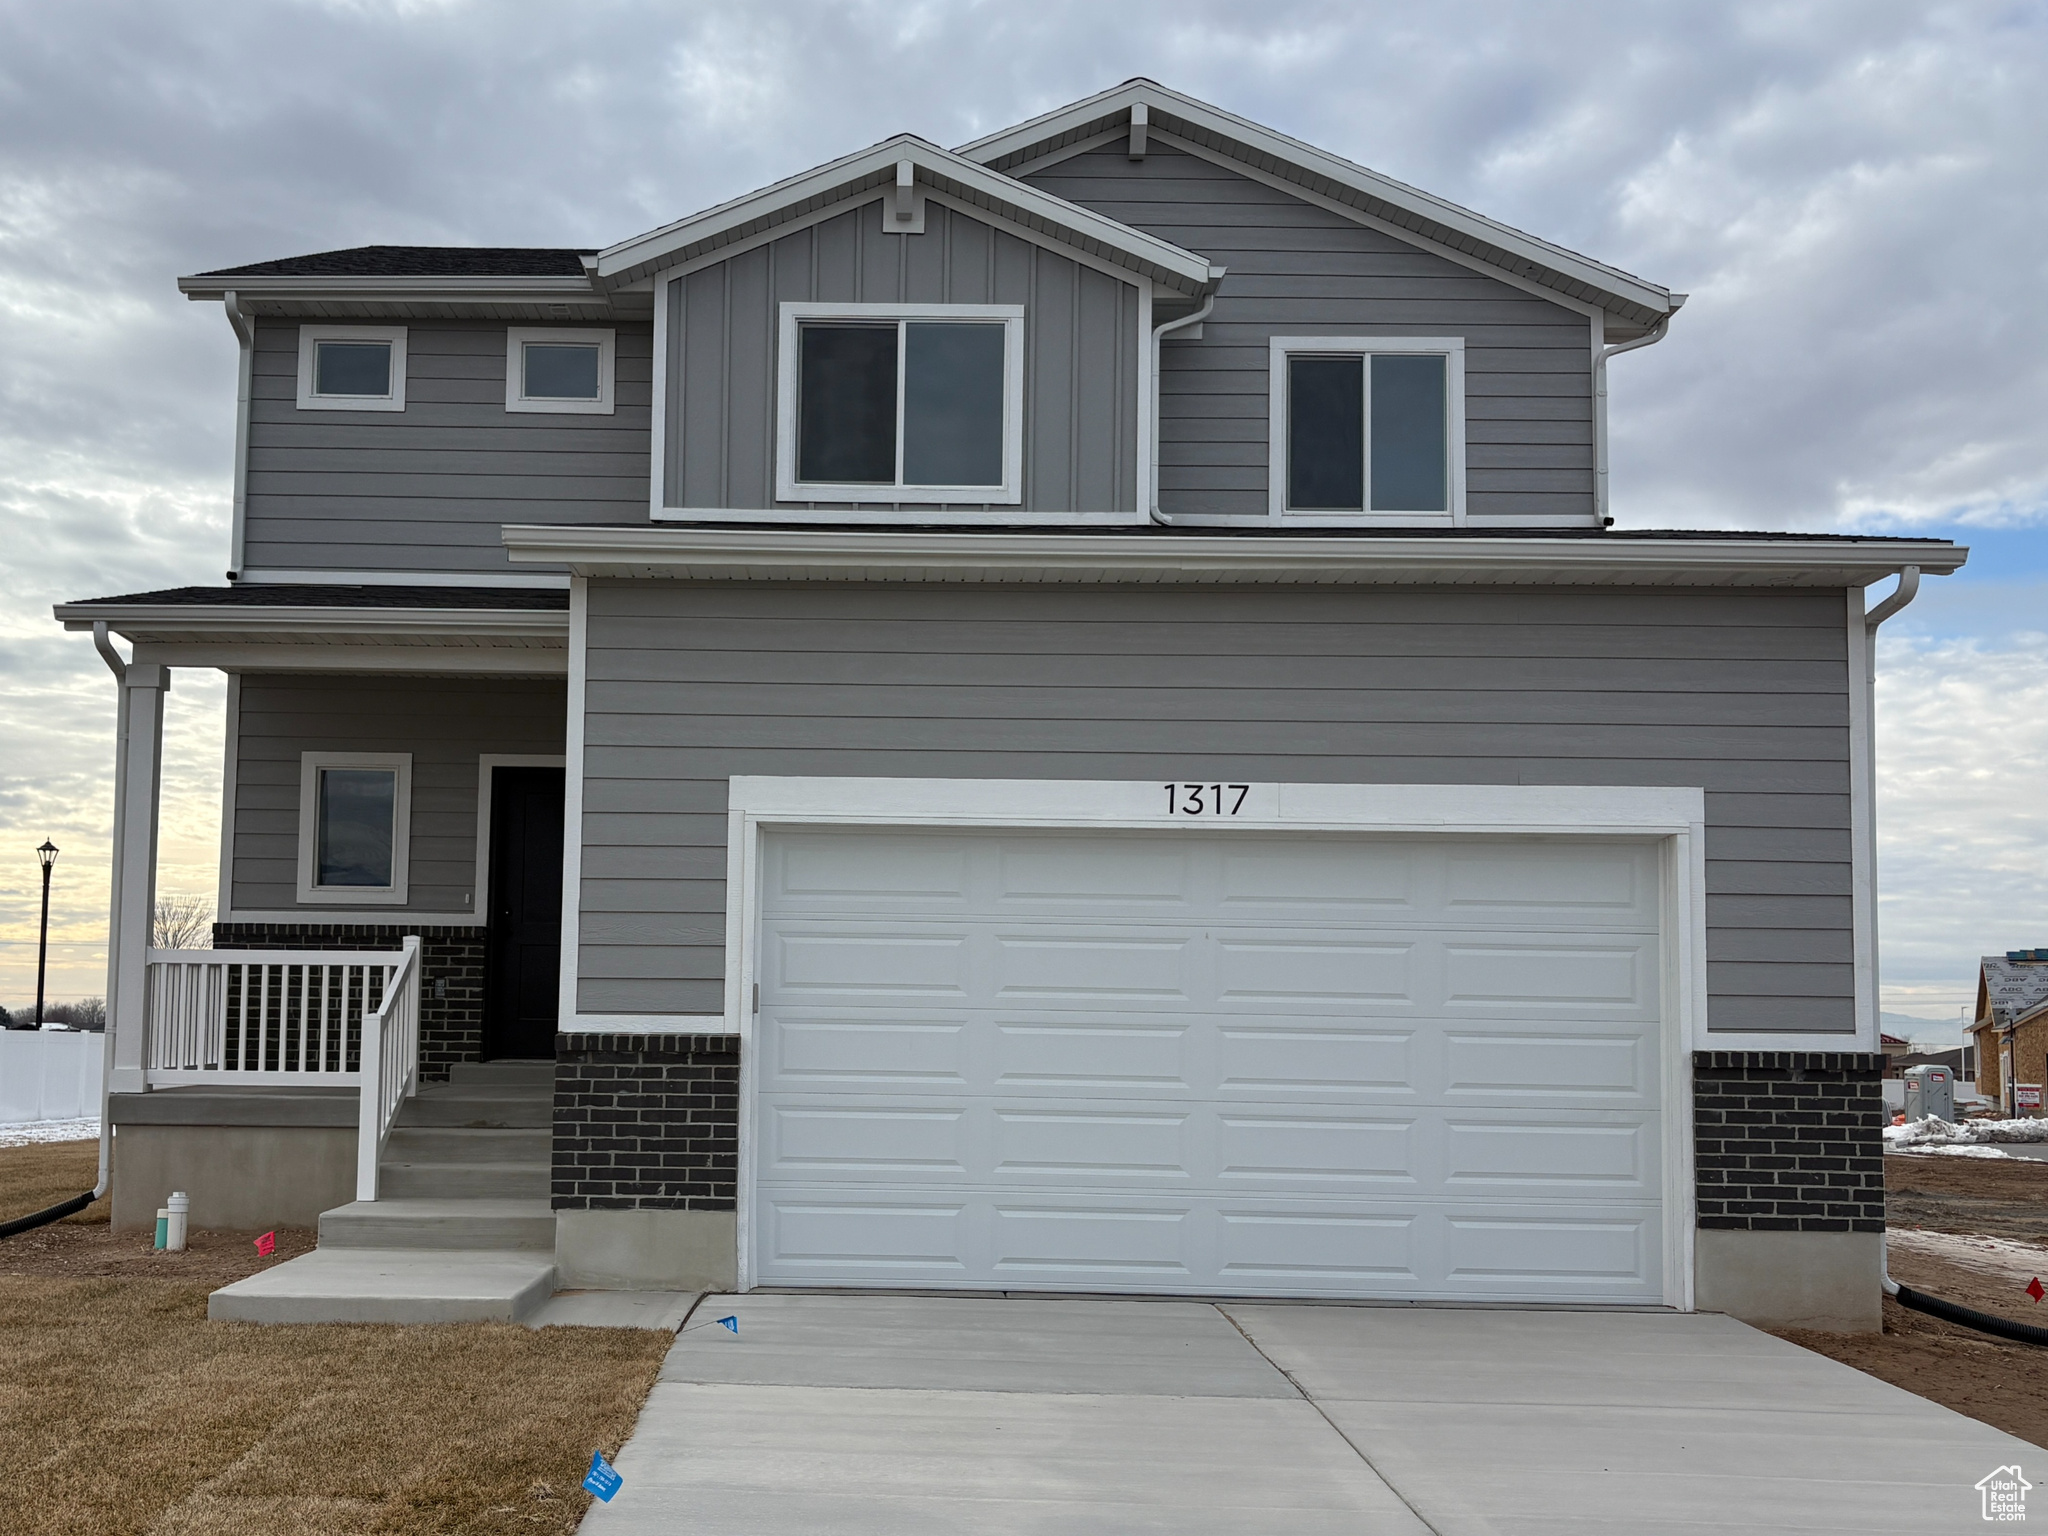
(646,1250)
(245,1178)
(1831,1280)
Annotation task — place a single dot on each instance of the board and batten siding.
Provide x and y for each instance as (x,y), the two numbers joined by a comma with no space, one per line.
(1080,352)
(1297,269)
(445,723)
(427,489)
(1743,693)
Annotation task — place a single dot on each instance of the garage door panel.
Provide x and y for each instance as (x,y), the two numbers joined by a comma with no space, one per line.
(1546,1065)
(1512,882)
(1217,1064)
(1264,971)
(1101,970)
(817,1051)
(1561,1156)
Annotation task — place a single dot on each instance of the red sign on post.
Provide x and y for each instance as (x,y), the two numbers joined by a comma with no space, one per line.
(2026,1096)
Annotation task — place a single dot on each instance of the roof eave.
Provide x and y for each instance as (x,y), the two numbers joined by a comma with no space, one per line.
(167,619)
(1578,276)
(854,176)
(371,289)
(924,555)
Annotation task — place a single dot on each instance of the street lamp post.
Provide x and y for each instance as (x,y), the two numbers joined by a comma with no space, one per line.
(47,857)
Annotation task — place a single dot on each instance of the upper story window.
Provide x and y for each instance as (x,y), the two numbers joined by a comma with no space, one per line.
(355,821)
(900,403)
(351,367)
(1368,426)
(561,370)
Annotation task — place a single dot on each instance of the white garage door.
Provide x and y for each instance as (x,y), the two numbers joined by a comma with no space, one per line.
(1230,1064)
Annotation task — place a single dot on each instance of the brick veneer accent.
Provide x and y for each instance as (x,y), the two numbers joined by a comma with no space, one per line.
(1789,1141)
(646,1122)
(451,1027)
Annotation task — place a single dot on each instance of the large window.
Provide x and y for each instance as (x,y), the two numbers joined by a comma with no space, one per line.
(355,816)
(1368,426)
(893,403)
(559,370)
(351,367)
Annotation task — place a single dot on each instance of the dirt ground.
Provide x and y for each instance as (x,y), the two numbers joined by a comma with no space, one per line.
(125,1411)
(2003,1385)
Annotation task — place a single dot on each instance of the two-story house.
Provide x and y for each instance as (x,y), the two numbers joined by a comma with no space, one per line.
(1062,715)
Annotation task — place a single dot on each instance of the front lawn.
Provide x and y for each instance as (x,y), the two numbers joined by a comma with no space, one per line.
(124,1410)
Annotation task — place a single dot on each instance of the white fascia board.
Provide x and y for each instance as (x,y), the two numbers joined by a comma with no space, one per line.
(387,289)
(876,166)
(1086,116)
(358,623)
(826,554)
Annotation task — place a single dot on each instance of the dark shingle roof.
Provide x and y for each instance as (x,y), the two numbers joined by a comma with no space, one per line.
(282,595)
(421,261)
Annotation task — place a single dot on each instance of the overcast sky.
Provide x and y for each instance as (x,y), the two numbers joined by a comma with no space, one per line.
(1852,194)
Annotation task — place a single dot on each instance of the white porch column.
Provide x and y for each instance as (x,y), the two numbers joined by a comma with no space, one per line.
(138,783)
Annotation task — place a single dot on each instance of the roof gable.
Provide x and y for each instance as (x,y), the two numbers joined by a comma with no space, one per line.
(2008,988)
(1631,300)
(867,173)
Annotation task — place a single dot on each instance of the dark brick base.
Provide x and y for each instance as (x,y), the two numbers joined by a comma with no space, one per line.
(646,1122)
(1789,1141)
(451,976)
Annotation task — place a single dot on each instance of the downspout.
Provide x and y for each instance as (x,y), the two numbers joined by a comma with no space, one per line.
(1159,333)
(1600,499)
(245,333)
(105,646)
(76,1203)
(1904,593)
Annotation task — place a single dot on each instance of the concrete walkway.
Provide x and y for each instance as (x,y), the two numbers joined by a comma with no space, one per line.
(912,1415)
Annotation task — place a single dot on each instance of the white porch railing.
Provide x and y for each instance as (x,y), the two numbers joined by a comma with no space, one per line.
(390,1064)
(263,1017)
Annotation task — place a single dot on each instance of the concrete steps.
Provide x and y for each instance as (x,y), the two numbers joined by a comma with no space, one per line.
(461,1229)
(426,1225)
(383,1285)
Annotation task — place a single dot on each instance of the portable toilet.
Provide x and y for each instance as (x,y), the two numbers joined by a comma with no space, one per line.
(1930,1090)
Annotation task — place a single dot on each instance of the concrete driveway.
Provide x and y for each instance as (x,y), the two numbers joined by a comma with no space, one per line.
(915,1414)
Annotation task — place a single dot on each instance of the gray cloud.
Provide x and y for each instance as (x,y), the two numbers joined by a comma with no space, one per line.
(1850,192)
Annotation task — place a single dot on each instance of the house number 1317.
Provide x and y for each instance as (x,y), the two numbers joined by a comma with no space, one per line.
(1205,799)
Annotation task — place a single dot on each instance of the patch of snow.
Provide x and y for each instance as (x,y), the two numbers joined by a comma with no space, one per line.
(1999,1256)
(30,1132)
(1951,1150)
(1935,1132)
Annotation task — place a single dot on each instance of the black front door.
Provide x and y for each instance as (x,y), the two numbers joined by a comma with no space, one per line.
(521,995)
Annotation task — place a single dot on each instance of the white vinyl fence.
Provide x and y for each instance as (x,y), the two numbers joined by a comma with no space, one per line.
(48,1075)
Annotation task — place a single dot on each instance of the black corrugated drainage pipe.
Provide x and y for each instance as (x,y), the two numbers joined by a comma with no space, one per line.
(1967,1317)
(43,1218)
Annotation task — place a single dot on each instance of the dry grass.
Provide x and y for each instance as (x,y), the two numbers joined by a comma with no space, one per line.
(34,1178)
(125,1411)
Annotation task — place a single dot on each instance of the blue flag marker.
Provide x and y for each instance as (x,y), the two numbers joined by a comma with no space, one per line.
(601,1479)
(730,1322)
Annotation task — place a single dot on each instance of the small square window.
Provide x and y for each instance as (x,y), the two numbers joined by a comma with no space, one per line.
(886,403)
(552,369)
(351,368)
(1369,426)
(354,827)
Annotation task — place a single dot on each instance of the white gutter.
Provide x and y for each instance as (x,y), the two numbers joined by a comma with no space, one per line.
(245,333)
(119,668)
(1904,593)
(1600,495)
(1159,333)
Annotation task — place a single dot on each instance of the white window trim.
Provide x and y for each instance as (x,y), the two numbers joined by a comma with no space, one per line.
(311,335)
(1673,817)
(789,488)
(1364,346)
(479,899)
(516,398)
(393,895)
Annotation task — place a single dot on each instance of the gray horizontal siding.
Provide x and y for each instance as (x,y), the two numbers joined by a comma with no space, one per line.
(445,723)
(1080,352)
(1297,269)
(429,488)
(1742,693)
